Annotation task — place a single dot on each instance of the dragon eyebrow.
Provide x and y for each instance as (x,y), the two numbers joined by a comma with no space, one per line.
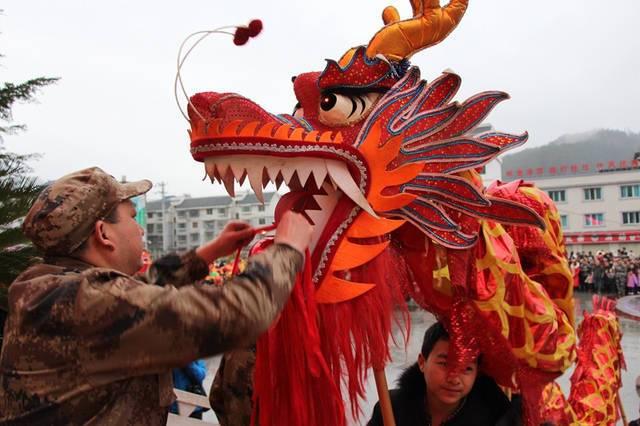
(354,91)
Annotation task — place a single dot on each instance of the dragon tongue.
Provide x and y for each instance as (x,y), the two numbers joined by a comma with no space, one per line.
(289,201)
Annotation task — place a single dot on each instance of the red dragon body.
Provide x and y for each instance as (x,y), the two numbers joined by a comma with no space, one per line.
(383,163)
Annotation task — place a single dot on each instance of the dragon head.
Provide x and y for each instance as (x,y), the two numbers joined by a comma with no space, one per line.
(369,148)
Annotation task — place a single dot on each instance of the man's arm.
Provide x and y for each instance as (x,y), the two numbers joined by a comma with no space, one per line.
(127,327)
(150,329)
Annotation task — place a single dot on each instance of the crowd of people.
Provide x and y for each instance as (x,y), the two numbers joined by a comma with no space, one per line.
(606,272)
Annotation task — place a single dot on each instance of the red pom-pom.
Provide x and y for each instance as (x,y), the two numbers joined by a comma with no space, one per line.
(241,36)
(255,27)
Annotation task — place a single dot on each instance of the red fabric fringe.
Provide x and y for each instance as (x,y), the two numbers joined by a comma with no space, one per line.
(355,334)
(292,382)
(303,361)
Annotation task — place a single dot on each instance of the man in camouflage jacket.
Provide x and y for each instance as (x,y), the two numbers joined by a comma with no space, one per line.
(85,343)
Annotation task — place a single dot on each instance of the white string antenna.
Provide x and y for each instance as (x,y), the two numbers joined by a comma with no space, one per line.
(181,59)
(240,36)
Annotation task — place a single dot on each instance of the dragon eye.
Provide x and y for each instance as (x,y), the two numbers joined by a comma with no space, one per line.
(339,110)
(328,101)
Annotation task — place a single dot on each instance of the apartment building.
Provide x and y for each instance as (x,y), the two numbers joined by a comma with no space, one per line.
(598,212)
(597,191)
(184,223)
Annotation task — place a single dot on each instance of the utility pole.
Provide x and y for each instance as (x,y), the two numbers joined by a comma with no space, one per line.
(165,242)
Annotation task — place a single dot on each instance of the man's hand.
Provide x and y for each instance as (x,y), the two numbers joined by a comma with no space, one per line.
(236,234)
(294,230)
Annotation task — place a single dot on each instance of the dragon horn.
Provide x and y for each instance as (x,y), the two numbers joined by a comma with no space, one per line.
(430,24)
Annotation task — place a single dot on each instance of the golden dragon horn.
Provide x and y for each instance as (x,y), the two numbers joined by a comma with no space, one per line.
(430,24)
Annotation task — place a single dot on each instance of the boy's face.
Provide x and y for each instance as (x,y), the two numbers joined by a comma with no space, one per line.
(442,385)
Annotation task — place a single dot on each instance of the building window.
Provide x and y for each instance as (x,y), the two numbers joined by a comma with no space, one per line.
(182,239)
(194,225)
(594,219)
(246,209)
(564,221)
(159,228)
(630,218)
(591,194)
(559,195)
(181,213)
(261,221)
(630,191)
(260,208)
(209,211)
(182,226)
(159,214)
(194,213)
(150,215)
(150,228)
(222,211)
(195,237)
(209,236)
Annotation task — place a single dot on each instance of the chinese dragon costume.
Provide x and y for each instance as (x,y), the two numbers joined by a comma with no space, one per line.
(384,164)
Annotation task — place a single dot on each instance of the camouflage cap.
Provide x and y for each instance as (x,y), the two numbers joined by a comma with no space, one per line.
(63,215)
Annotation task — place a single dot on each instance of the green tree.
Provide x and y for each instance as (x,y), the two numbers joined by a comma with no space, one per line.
(18,189)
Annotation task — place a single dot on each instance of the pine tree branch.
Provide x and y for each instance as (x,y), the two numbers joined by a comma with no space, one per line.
(11,237)
(23,92)
(17,191)
(13,262)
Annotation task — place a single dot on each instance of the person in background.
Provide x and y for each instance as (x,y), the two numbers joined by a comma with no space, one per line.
(621,276)
(429,393)
(598,274)
(189,379)
(231,395)
(633,280)
(609,277)
(575,271)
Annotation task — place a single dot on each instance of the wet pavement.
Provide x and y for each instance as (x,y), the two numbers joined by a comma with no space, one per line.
(421,320)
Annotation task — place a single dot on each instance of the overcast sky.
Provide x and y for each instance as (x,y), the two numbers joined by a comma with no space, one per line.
(569,66)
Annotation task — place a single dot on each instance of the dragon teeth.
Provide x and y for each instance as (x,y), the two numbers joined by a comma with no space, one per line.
(281,170)
(320,217)
(238,171)
(303,170)
(287,173)
(319,172)
(341,177)
(228,181)
(255,180)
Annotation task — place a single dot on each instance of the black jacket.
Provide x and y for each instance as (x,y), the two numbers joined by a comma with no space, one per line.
(486,404)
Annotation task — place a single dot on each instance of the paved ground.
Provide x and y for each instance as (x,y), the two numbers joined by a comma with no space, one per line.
(629,306)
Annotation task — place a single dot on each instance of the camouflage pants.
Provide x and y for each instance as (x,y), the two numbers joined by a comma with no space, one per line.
(232,389)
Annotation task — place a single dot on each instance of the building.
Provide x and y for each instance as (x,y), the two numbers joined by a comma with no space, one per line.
(595,183)
(184,223)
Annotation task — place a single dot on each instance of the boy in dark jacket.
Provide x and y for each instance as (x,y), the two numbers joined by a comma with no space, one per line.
(429,394)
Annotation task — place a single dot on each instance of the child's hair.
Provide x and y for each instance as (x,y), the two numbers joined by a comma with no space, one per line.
(431,336)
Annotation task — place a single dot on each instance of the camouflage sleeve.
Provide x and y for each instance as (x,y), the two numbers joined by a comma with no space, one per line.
(134,327)
(177,270)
